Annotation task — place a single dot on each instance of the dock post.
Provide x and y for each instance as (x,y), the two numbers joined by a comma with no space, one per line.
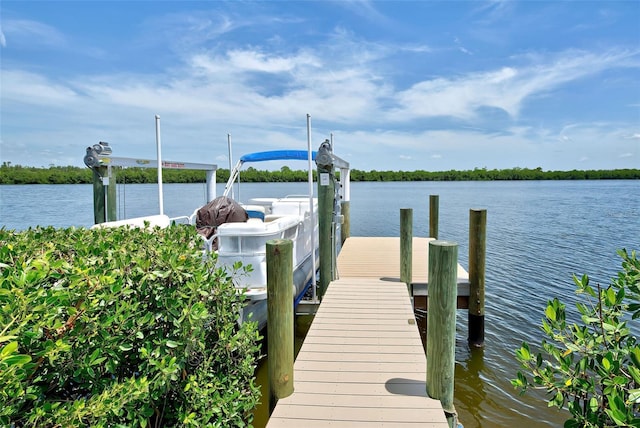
(477,256)
(406,245)
(99,213)
(104,194)
(326,200)
(112,209)
(345,230)
(441,325)
(280,318)
(434,201)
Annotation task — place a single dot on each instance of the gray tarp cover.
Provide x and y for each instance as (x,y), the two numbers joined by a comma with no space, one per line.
(220,210)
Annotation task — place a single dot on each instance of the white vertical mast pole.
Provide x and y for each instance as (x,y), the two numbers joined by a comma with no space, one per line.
(159,149)
(313,216)
(230,161)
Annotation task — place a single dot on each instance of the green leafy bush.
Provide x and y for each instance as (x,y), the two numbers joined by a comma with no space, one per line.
(594,368)
(120,327)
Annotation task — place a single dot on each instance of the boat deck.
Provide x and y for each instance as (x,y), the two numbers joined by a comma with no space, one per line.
(362,362)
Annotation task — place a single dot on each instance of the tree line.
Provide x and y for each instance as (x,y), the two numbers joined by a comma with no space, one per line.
(17,174)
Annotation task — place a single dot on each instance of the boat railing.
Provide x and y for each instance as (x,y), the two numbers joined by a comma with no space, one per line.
(208,242)
(181,219)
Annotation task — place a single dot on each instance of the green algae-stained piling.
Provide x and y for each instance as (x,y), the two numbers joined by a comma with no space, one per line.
(104,194)
(326,195)
(362,363)
(477,257)
(441,323)
(434,208)
(406,238)
(280,318)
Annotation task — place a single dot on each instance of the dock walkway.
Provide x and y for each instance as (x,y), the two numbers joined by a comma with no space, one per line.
(362,362)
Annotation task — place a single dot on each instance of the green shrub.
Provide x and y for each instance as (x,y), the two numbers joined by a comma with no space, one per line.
(594,368)
(120,327)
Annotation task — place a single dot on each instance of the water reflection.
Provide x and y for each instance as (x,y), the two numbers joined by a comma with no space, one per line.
(469,389)
(484,396)
(261,412)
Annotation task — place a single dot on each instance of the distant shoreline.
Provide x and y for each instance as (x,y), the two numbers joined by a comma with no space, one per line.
(17,174)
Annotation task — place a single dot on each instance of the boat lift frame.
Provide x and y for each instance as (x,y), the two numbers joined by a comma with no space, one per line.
(104,183)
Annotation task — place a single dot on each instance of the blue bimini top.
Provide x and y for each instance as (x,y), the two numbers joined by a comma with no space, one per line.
(278,155)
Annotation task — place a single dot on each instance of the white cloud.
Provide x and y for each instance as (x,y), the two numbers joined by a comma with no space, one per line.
(24,32)
(507,88)
(184,31)
(3,40)
(492,11)
(457,97)
(461,48)
(258,61)
(365,9)
(31,88)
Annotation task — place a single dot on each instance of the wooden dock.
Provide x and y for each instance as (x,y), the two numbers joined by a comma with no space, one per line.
(362,362)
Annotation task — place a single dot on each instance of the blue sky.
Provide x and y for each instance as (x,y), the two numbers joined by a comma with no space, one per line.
(402,85)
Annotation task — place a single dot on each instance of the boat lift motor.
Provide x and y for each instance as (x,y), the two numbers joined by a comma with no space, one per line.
(96,153)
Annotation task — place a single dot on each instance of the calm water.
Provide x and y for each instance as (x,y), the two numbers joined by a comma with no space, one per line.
(538,235)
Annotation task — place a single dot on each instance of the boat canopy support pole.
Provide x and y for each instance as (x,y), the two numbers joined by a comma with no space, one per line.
(233,174)
(230,160)
(211,185)
(159,150)
(312,213)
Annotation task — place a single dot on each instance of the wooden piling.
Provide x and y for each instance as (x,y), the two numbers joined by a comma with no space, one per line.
(345,230)
(406,239)
(434,201)
(112,208)
(441,324)
(280,318)
(104,194)
(326,200)
(477,257)
(99,214)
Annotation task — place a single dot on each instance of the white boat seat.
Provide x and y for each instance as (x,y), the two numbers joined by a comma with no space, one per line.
(291,206)
(272,217)
(257,228)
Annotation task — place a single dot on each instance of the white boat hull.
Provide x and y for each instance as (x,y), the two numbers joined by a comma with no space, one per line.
(256,310)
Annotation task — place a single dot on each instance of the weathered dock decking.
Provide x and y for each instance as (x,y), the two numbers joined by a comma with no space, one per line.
(362,362)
